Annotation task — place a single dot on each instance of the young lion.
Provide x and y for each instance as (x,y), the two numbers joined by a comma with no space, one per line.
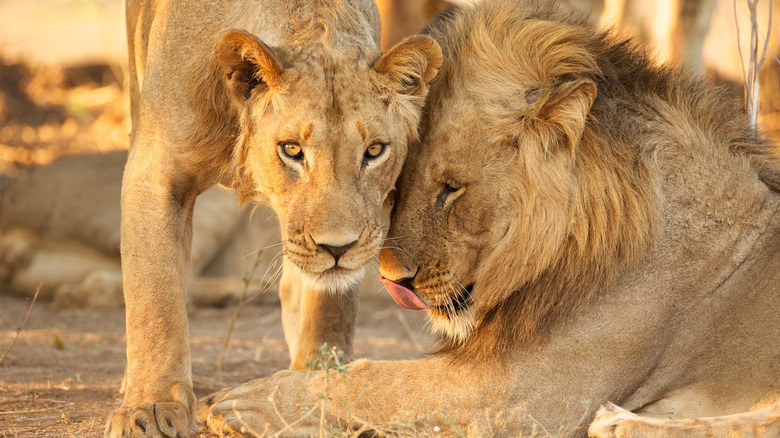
(580,226)
(298,108)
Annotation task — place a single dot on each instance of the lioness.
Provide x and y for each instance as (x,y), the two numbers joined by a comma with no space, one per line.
(580,225)
(59,228)
(297,108)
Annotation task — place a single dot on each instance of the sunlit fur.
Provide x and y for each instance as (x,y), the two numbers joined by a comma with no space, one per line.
(332,282)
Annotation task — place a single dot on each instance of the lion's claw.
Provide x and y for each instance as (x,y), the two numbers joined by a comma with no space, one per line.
(224,422)
(150,420)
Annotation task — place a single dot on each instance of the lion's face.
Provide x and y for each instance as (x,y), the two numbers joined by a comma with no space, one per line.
(324,138)
(326,161)
(489,199)
(449,215)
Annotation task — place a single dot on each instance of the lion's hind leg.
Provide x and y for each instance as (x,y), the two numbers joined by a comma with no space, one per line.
(615,422)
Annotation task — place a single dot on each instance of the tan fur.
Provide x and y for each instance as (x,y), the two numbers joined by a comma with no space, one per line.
(585,227)
(217,91)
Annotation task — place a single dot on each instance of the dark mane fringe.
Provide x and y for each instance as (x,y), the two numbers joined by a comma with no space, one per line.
(217,130)
(630,217)
(712,106)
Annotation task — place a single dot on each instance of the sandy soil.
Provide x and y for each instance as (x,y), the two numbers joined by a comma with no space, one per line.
(61,377)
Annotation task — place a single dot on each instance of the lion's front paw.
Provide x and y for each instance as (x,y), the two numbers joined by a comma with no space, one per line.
(609,422)
(152,420)
(261,407)
(232,413)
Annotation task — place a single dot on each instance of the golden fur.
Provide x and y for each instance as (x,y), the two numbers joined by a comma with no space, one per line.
(283,101)
(584,226)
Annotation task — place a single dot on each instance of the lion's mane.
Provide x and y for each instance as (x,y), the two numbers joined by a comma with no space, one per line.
(600,209)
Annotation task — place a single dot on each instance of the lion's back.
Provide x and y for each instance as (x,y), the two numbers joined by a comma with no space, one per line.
(75,197)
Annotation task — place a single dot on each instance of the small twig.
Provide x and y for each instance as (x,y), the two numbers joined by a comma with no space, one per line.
(739,47)
(39,400)
(28,427)
(21,327)
(755,61)
(33,411)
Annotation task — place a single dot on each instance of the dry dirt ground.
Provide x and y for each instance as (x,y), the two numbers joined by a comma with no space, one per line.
(61,377)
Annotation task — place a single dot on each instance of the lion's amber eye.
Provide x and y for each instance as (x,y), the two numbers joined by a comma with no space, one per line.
(375,150)
(292,150)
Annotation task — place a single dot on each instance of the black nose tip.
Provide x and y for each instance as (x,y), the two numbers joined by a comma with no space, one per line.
(337,251)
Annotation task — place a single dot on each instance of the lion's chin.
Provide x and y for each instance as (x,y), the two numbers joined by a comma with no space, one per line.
(455,328)
(334,280)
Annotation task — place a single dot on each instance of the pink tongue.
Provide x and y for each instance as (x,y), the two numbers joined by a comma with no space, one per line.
(403,296)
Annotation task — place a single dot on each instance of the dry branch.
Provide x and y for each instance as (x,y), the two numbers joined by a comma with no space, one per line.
(757,57)
(21,327)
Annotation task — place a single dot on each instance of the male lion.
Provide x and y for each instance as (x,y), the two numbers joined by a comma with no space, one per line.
(300,109)
(581,226)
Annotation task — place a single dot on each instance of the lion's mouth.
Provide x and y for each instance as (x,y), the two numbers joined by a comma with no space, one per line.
(403,294)
(334,279)
(462,301)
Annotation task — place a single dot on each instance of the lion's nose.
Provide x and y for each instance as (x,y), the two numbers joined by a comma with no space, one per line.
(393,266)
(337,251)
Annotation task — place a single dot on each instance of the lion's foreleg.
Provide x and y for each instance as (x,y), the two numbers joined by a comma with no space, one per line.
(312,318)
(387,396)
(326,317)
(290,290)
(156,238)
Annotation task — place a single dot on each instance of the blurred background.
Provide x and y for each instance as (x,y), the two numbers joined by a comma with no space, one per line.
(62,62)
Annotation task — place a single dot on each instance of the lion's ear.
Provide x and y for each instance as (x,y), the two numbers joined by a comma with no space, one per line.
(566,104)
(248,64)
(411,65)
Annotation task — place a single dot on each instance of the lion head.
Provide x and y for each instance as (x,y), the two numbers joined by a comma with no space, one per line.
(325,120)
(525,192)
